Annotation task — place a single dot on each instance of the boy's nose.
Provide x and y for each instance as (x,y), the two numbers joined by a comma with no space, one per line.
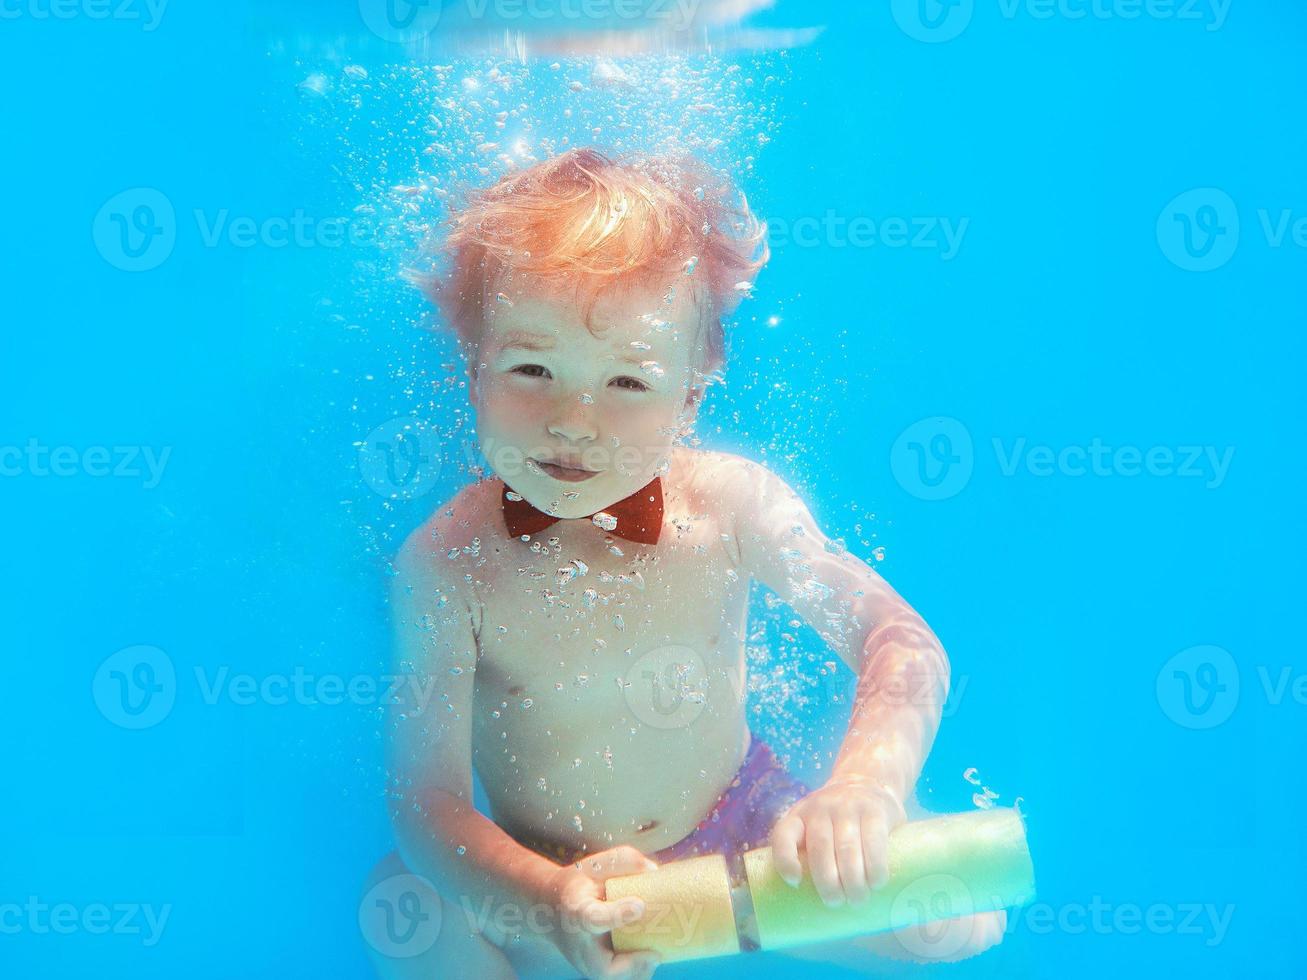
(572,421)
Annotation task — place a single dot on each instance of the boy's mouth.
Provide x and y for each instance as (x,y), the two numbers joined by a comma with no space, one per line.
(568,474)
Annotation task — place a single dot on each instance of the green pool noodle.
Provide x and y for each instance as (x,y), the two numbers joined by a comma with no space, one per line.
(939,868)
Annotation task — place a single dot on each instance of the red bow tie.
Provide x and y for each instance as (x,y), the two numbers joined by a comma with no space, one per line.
(639,517)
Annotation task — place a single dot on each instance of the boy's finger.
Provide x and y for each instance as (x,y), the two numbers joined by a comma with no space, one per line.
(820,847)
(623,860)
(785,839)
(600,917)
(848,858)
(636,966)
(874,856)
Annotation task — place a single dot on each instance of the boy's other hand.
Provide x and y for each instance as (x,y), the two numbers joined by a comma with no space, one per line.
(844,829)
(577,892)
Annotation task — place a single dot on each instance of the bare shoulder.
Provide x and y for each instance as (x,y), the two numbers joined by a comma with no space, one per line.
(452,529)
(720,478)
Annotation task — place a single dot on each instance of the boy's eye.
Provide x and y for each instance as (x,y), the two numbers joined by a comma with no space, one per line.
(531,370)
(633,384)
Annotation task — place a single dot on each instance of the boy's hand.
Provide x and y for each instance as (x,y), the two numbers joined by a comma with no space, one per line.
(843,828)
(577,891)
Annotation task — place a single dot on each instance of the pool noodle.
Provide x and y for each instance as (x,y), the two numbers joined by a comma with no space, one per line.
(940,868)
(689,914)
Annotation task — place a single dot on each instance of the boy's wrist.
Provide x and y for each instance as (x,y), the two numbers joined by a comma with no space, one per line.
(540,879)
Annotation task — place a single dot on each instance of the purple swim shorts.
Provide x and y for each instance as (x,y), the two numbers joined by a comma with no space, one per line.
(741,819)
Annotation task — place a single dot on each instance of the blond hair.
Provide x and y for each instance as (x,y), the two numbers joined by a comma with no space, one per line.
(584,222)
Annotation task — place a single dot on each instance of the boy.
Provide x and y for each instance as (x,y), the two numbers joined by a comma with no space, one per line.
(582,615)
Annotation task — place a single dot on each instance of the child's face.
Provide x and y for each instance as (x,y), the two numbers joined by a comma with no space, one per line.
(549,391)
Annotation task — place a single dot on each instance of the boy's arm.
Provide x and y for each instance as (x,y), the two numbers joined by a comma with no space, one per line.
(430,745)
(903,677)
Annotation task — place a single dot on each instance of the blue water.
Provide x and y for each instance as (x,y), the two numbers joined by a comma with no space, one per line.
(921,396)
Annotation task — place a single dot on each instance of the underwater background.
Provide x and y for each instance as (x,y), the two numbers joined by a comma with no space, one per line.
(1030,342)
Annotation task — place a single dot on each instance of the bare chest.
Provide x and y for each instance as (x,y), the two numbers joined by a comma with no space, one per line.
(570,615)
(602,661)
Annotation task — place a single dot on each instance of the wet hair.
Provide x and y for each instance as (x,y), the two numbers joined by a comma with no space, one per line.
(585,224)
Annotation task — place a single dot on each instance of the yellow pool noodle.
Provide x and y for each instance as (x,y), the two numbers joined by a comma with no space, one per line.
(940,868)
(688,910)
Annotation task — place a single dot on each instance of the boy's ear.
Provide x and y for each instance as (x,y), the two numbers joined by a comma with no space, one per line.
(693,399)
